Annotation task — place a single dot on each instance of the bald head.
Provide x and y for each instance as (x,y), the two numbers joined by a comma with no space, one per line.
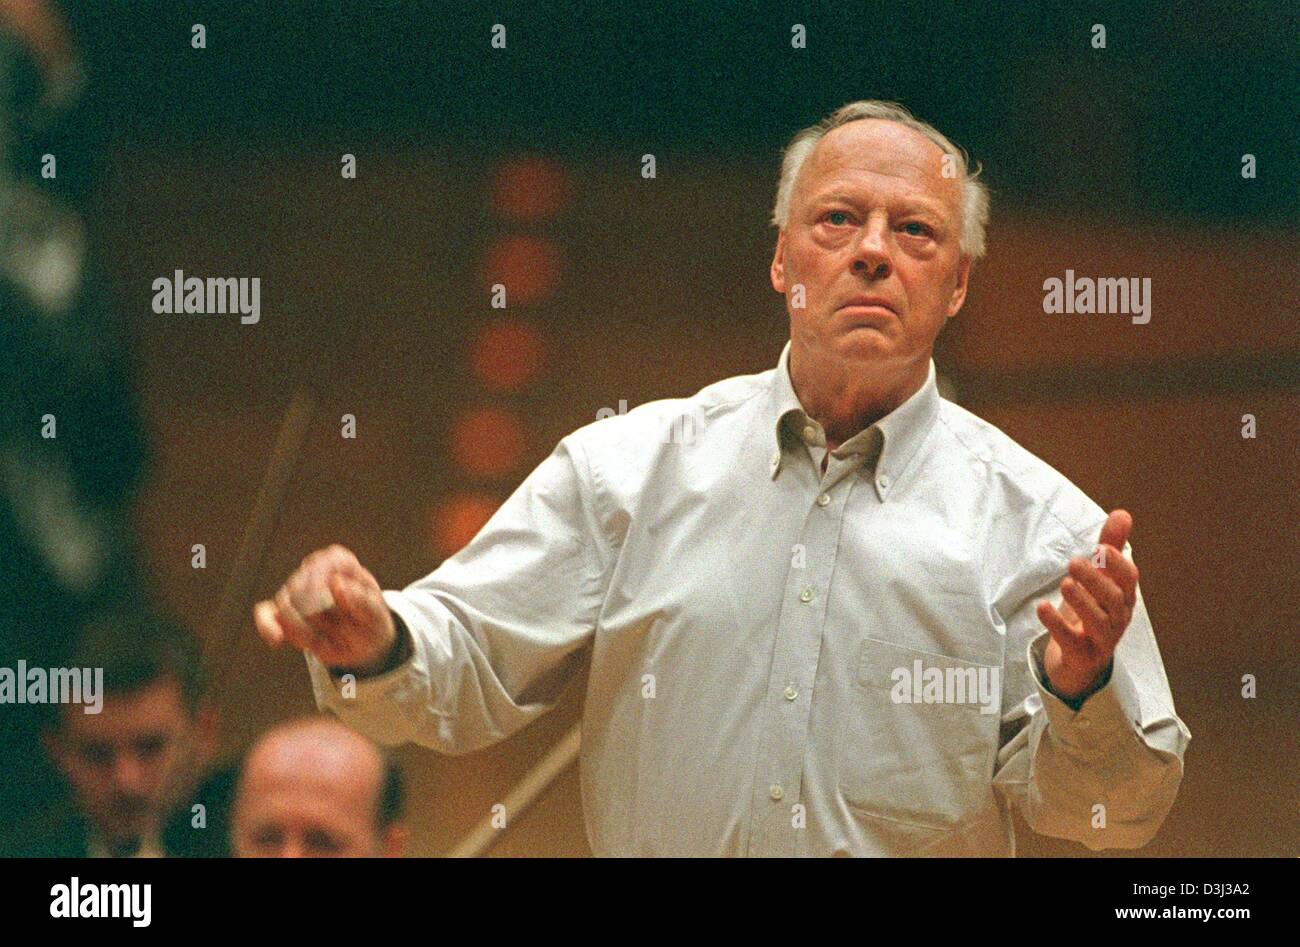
(312,787)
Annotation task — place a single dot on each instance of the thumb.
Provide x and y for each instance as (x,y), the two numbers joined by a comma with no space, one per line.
(1114,532)
(351,598)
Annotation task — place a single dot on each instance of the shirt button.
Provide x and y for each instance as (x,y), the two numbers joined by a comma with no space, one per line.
(823,499)
(810,434)
(884,481)
(791,692)
(1082,721)
(805,595)
(775,791)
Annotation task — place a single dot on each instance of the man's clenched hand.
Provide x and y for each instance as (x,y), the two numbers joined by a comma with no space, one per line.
(332,607)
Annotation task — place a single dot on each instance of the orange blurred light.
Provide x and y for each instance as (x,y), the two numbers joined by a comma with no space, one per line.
(458,521)
(487,441)
(528,267)
(529,189)
(506,354)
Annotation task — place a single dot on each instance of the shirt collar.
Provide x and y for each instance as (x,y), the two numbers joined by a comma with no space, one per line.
(889,444)
(150,846)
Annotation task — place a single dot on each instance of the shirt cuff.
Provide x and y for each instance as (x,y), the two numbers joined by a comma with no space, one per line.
(1105,715)
(337,690)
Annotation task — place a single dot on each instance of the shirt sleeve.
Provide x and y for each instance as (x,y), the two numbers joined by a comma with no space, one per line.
(1103,772)
(498,629)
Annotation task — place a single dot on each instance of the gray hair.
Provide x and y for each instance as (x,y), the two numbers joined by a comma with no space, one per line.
(975,194)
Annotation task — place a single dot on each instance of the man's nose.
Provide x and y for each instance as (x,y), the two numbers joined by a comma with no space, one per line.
(128,773)
(871,253)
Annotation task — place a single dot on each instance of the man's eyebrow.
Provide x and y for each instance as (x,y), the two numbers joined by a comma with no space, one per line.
(907,205)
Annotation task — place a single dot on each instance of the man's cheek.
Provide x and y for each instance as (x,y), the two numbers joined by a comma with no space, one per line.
(93,793)
(163,776)
(84,778)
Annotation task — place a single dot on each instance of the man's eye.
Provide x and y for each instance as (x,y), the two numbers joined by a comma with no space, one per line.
(322,843)
(837,213)
(97,754)
(267,838)
(150,747)
(916,230)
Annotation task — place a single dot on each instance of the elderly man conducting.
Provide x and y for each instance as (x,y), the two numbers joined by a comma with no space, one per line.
(844,616)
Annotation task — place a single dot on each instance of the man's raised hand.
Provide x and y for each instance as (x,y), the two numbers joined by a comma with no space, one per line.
(1097,605)
(332,607)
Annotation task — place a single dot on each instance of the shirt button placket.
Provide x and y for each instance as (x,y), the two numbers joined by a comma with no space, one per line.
(799,641)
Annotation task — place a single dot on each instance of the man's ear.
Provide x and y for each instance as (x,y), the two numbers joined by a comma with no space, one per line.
(959,291)
(778,264)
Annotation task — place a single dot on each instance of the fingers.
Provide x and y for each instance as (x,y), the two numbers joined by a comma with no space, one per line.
(309,587)
(1100,586)
(308,591)
(1118,568)
(1103,628)
(355,599)
(266,624)
(1115,531)
(1091,614)
(318,569)
(297,630)
(1103,597)
(323,601)
(1066,633)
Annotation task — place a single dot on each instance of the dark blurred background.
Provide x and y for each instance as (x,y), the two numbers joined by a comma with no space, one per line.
(522,166)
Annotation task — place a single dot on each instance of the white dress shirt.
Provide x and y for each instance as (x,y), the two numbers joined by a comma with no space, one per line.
(754,628)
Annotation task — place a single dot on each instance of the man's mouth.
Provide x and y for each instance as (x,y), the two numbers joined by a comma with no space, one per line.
(861,316)
(129,809)
(869,305)
(877,311)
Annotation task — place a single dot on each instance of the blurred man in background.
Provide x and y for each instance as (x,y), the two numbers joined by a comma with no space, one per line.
(72,442)
(135,769)
(314,788)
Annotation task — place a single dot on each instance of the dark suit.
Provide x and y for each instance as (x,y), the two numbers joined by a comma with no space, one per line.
(61,832)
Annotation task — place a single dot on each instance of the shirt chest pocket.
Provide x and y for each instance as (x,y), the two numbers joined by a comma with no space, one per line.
(918,746)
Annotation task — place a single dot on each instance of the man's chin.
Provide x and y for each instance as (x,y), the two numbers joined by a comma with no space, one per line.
(122,826)
(863,342)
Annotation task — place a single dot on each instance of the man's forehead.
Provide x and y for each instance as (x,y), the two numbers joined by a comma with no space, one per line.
(872,140)
(334,762)
(269,783)
(325,745)
(155,708)
(308,794)
(878,153)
